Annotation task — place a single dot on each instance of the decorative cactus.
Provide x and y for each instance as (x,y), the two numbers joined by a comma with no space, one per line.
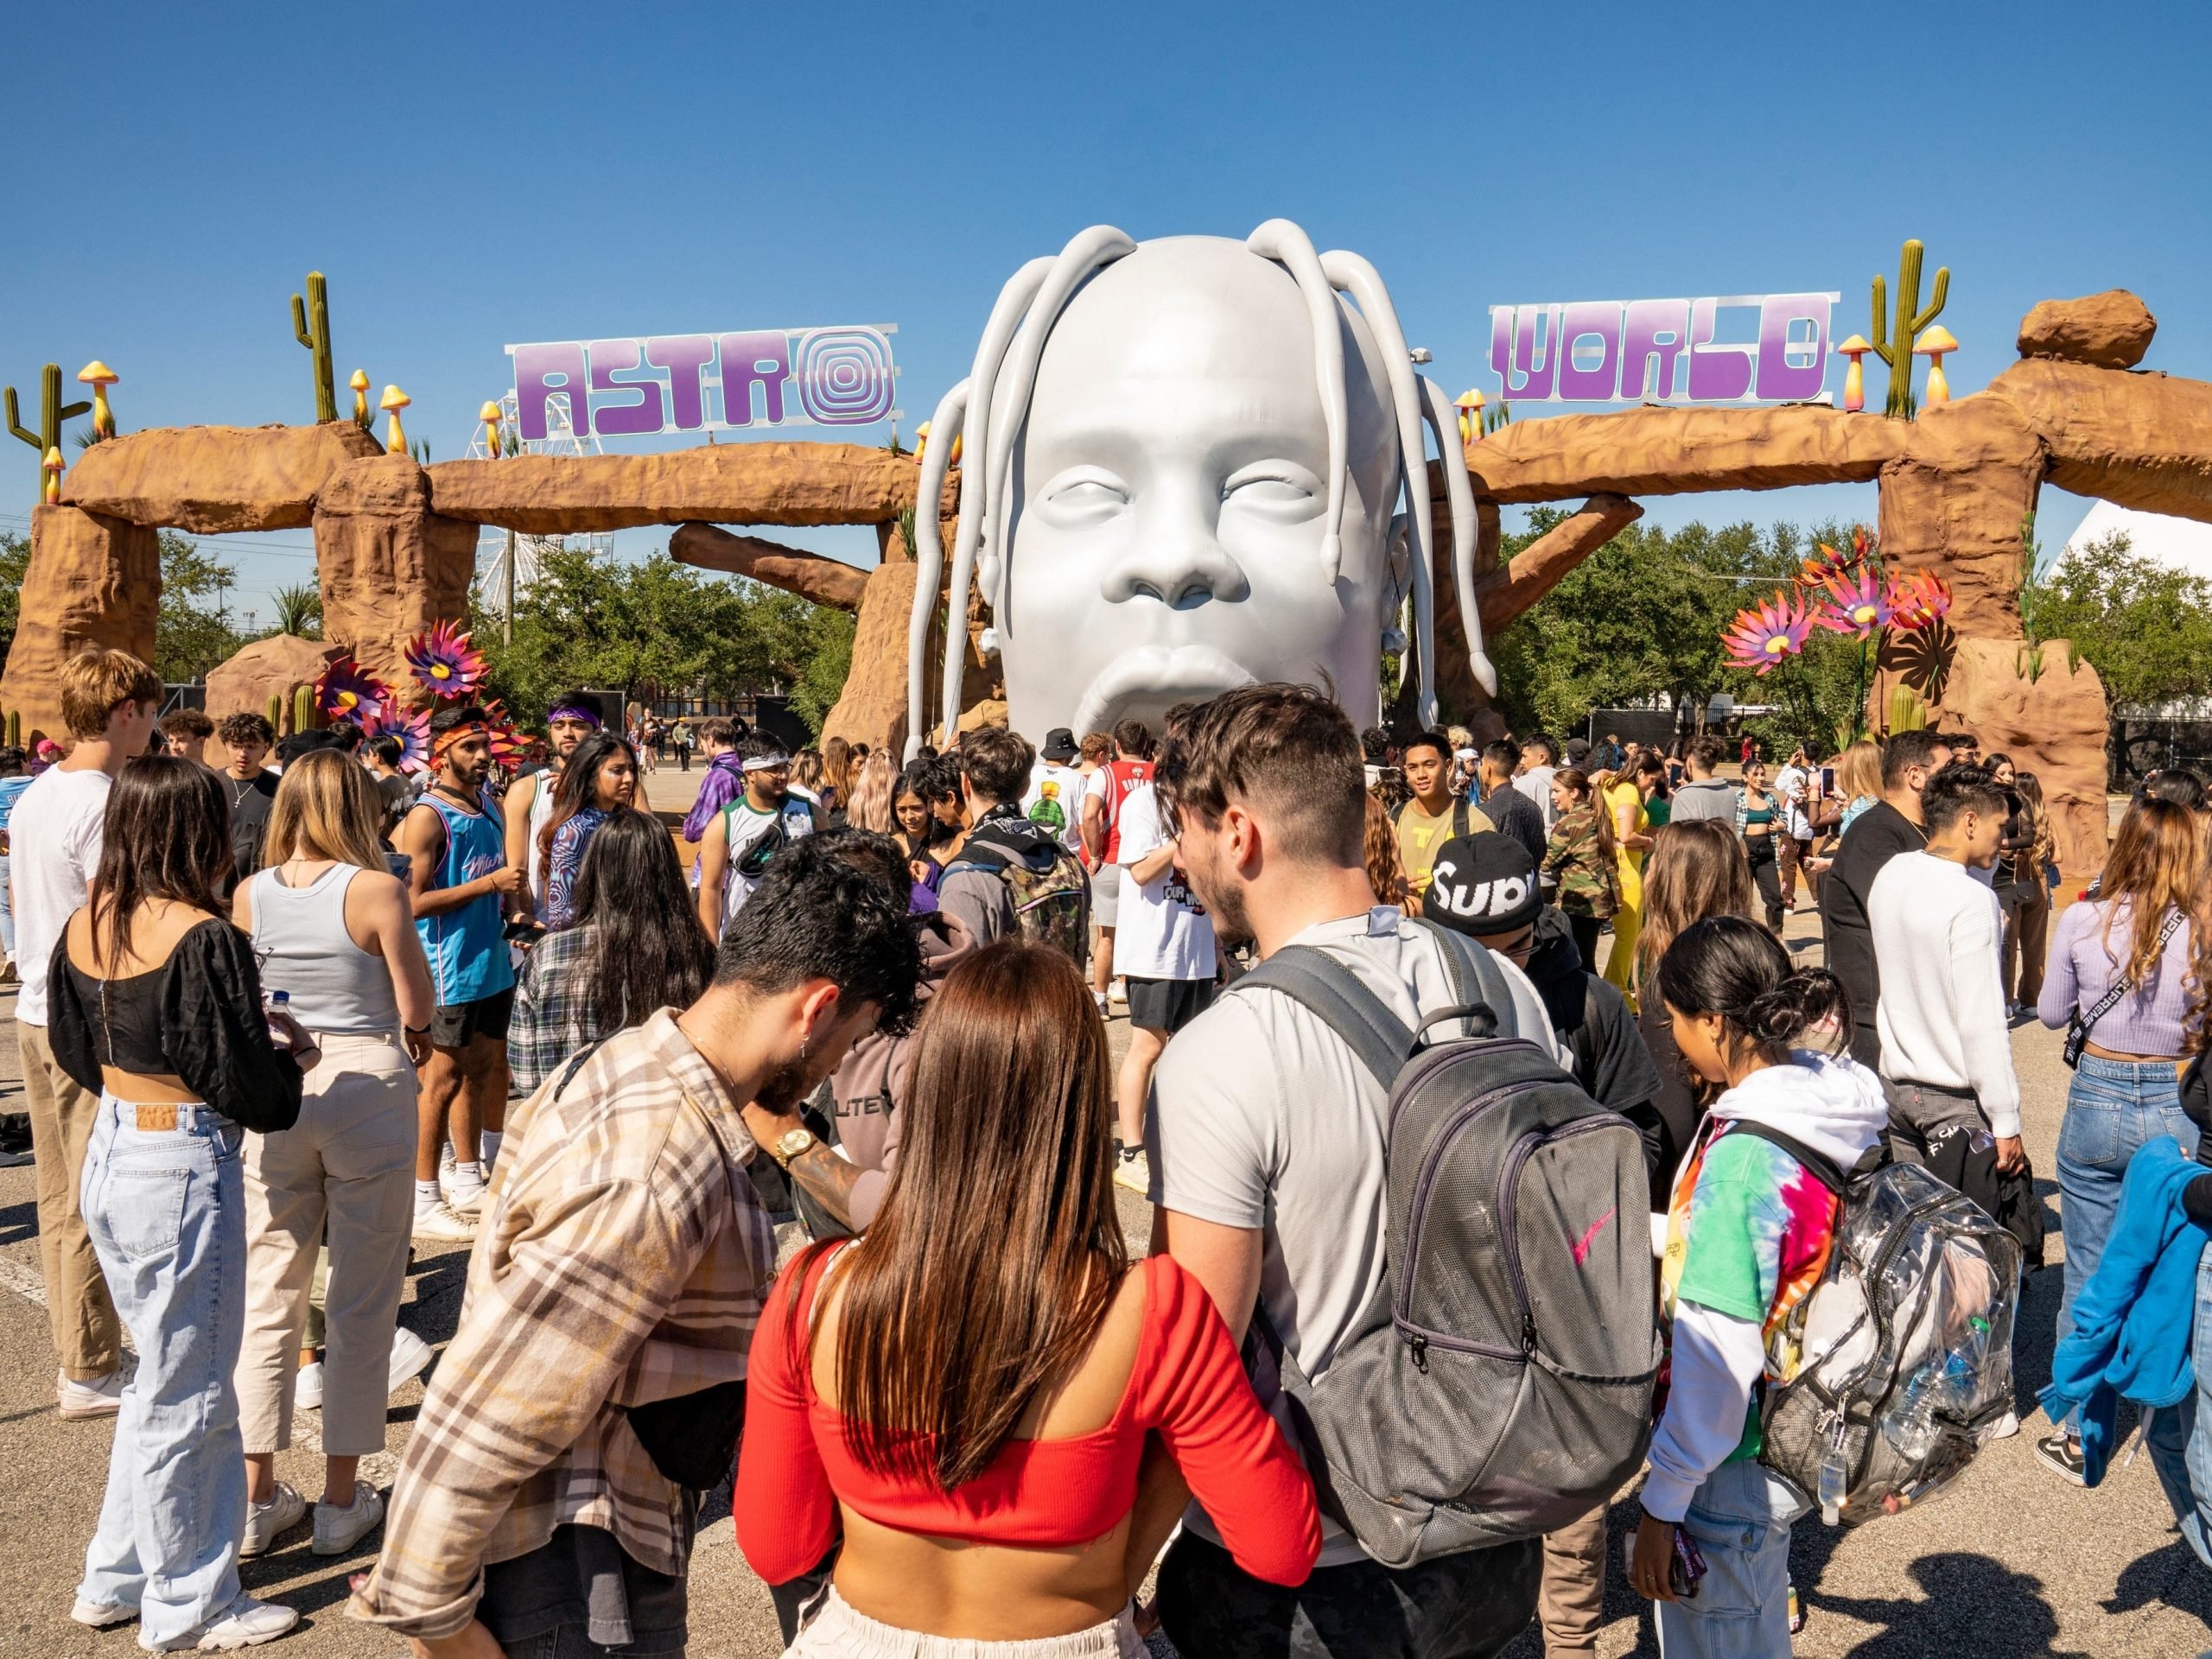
(1896,349)
(317,340)
(11,730)
(276,712)
(303,709)
(52,412)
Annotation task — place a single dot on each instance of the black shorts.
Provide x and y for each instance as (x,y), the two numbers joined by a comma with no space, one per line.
(1167,1005)
(454,1024)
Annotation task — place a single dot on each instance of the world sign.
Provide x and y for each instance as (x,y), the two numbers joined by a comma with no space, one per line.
(1665,351)
(693,383)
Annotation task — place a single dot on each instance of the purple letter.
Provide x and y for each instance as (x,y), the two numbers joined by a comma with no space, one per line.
(1779,379)
(1718,373)
(609,358)
(1512,352)
(1593,385)
(748,361)
(1655,328)
(682,356)
(546,372)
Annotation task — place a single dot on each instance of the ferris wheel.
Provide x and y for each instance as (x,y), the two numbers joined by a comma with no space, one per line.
(507,560)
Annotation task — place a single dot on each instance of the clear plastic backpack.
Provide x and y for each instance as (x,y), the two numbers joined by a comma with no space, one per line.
(1901,1361)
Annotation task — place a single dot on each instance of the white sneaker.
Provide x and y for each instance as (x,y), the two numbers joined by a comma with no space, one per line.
(101,1397)
(439,1221)
(337,1530)
(1119,994)
(245,1624)
(410,1354)
(1131,1170)
(306,1388)
(101,1614)
(2003,1429)
(266,1522)
(466,1198)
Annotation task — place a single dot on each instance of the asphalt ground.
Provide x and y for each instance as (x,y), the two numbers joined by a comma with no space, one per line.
(2011,1563)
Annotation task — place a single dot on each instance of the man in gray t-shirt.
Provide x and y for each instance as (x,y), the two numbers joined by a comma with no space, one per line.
(1704,796)
(1267,1150)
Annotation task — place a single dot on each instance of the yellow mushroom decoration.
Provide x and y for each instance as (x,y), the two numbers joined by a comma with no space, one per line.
(53,465)
(921,439)
(490,415)
(1932,345)
(1854,378)
(97,375)
(394,438)
(361,385)
(1470,405)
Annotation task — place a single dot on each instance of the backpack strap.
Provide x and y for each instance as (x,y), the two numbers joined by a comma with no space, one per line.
(1459,817)
(1478,990)
(1337,997)
(1821,1169)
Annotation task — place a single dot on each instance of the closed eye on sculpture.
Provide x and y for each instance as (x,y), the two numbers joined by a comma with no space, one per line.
(1281,490)
(1081,496)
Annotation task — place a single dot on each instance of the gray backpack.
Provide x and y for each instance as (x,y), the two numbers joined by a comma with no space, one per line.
(1499,1385)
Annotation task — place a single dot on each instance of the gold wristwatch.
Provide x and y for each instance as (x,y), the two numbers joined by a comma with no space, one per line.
(790,1145)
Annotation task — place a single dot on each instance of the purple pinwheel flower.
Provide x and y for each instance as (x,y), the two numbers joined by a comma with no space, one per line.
(348,691)
(443,662)
(1762,636)
(1856,604)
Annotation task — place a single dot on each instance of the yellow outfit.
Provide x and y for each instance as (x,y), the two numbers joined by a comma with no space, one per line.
(1628,920)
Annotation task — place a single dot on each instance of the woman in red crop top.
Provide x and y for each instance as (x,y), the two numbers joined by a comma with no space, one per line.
(967,1394)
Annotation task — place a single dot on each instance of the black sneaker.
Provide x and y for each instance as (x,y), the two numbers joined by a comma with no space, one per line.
(2063,1452)
(15,1142)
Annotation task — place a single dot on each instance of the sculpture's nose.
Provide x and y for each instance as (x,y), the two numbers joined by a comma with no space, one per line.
(1179,571)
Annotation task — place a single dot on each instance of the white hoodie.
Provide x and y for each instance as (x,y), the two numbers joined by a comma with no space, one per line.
(1835,1107)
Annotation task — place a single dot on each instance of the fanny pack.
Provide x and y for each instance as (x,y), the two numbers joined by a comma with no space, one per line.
(2079,1025)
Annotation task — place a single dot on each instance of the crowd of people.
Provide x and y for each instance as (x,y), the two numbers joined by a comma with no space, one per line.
(868,1020)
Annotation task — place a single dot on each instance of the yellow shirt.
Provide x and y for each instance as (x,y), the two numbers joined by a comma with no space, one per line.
(1420,838)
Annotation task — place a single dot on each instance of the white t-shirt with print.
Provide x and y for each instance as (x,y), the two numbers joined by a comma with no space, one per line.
(1163,932)
(54,837)
(1789,783)
(1264,1119)
(1059,791)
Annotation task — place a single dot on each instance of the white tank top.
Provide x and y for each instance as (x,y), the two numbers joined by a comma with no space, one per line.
(301,940)
(543,788)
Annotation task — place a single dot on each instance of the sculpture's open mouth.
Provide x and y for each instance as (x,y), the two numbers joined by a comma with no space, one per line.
(1159,676)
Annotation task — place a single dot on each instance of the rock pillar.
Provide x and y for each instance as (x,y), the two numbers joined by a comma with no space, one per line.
(389,567)
(92,580)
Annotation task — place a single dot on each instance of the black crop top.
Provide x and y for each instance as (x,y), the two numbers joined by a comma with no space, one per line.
(197,1016)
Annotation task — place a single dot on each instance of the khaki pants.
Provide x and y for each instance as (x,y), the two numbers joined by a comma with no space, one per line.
(348,1167)
(1571,1604)
(87,1333)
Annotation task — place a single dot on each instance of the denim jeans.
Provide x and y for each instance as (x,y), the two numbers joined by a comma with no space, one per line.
(2113,1109)
(1740,1519)
(166,1209)
(2179,1452)
(7,910)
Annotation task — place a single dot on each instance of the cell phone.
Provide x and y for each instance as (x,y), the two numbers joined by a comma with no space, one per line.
(1828,780)
(522,932)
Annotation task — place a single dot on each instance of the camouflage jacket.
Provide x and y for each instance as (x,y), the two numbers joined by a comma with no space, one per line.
(1588,884)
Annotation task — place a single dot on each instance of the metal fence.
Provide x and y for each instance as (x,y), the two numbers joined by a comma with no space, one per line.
(2140,747)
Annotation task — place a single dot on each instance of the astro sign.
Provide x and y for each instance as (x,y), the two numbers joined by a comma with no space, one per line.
(691,382)
(1665,351)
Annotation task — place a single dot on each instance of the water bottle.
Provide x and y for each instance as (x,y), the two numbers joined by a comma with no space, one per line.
(279,1002)
(1832,1492)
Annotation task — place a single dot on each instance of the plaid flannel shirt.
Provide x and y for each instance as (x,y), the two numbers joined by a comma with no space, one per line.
(552,1017)
(623,1259)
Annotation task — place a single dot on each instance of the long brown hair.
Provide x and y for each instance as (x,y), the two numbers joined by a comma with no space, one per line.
(2157,863)
(985,1276)
(869,804)
(1696,870)
(166,835)
(578,787)
(1385,873)
(326,806)
(1577,783)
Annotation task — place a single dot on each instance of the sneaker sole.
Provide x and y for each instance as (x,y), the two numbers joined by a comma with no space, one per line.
(346,1547)
(2062,1470)
(102,1620)
(80,1413)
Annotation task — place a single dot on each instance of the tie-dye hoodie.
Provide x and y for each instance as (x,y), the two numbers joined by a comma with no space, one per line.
(1748,1237)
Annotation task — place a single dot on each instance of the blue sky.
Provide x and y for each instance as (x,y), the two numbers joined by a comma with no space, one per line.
(473,175)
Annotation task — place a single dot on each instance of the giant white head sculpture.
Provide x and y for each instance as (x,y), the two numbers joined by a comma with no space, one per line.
(1184,461)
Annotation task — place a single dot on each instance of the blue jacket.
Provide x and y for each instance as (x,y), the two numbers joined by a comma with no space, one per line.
(2134,1321)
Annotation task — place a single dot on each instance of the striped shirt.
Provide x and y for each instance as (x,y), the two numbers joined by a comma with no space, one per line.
(623,1259)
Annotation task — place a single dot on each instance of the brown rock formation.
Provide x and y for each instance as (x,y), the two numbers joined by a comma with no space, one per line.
(2110,330)
(2141,440)
(1957,500)
(872,707)
(768,483)
(1538,568)
(389,566)
(270,667)
(1664,451)
(2047,713)
(92,580)
(215,479)
(825,581)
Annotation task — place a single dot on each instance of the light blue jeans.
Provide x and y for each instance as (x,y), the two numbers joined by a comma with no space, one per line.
(7,910)
(1741,1519)
(2113,1109)
(2179,1452)
(166,1209)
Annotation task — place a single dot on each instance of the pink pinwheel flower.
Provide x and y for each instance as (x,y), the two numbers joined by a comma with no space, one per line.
(507,742)
(413,731)
(1918,600)
(443,662)
(348,691)
(1856,604)
(1762,636)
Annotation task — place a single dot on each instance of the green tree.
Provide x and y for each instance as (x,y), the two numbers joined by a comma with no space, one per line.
(299,610)
(15,564)
(2145,627)
(192,631)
